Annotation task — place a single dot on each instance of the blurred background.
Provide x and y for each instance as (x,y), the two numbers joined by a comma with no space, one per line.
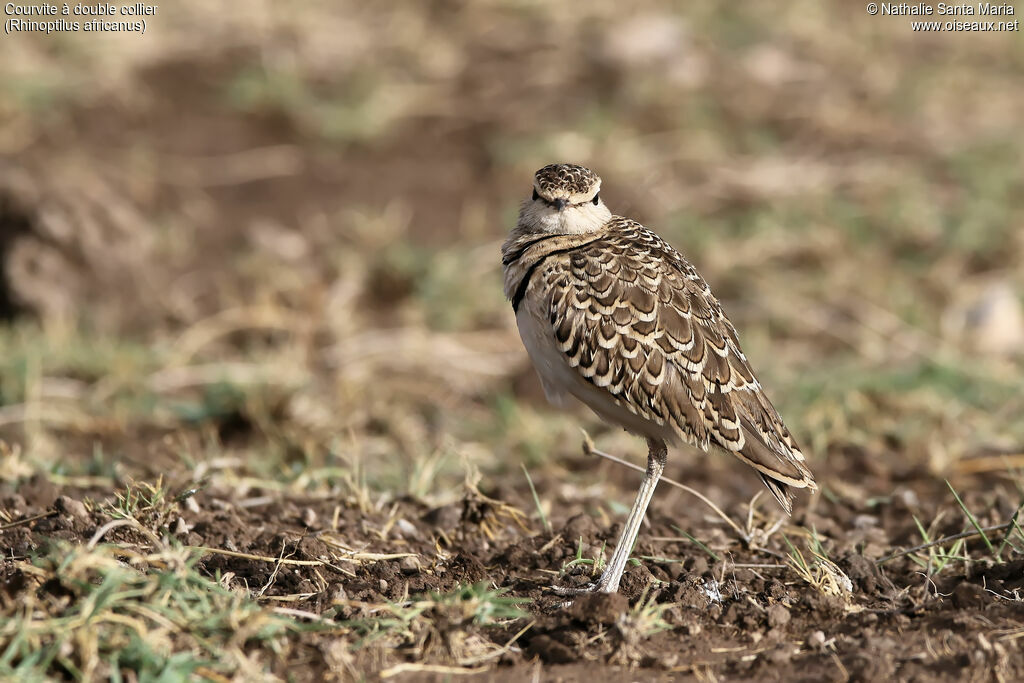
(265,238)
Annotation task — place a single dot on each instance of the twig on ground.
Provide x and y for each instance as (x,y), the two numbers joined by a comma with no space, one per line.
(1007,527)
(588,449)
(267,558)
(113,524)
(302,614)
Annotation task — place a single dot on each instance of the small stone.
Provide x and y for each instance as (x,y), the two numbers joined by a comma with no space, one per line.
(778,616)
(816,640)
(70,506)
(383,586)
(407,529)
(865,522)
(309,518)
(409,564)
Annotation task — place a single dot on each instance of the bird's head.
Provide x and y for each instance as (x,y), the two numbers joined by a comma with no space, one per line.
(566,199)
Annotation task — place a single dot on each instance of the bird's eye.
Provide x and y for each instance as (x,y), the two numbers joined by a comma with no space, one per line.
(535,195)
(596,198)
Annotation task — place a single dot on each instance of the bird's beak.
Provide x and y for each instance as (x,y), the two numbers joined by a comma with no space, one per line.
(560,204)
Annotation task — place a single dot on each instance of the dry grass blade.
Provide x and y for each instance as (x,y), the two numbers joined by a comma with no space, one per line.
(303,614)
(990,463)
(115,523)
(821,573)
(503,649)
(265,558)
(27,520)
(407,668)
(353,555)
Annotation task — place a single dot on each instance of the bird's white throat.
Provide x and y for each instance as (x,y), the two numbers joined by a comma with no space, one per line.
(538,216)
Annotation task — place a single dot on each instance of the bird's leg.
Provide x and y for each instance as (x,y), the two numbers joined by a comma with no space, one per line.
(656,456)
(609,581)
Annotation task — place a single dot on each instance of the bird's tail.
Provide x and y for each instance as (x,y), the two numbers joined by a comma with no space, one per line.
(782,493)
(781,467)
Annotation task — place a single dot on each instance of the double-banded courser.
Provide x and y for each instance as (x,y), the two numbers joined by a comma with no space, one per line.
(614,316)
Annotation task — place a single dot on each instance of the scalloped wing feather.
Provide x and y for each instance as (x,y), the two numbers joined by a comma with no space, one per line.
(634,319)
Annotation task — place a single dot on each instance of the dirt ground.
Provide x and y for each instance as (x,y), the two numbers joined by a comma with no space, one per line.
(681,613)
(264,414)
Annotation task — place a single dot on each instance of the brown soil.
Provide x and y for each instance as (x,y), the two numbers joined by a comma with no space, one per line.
(767,623)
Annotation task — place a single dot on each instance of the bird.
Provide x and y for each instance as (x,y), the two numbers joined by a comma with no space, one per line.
(612,315)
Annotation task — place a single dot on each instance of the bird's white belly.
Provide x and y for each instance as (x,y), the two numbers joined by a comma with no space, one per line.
(555,374)
(560,380)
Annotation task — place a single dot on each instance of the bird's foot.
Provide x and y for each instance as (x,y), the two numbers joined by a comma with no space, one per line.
(572,592)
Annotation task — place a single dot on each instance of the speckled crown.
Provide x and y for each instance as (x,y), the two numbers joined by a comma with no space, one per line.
(568,181)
